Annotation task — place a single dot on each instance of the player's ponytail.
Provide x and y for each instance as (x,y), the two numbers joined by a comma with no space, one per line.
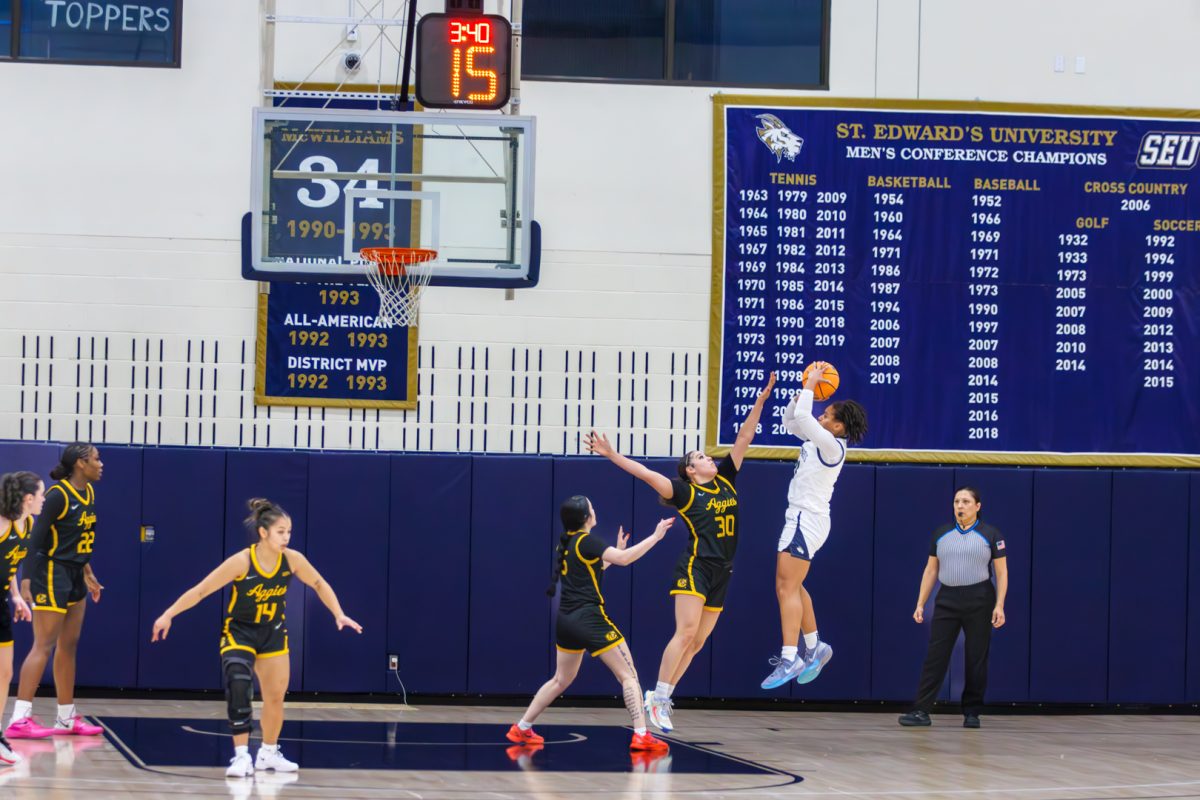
(66,462)
(853,417)
(574,514)
(263,514)
(13,488)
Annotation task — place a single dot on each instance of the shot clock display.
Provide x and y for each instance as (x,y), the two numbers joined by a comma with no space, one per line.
(463,61)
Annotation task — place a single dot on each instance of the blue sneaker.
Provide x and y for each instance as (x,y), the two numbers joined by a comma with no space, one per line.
(814,661)
(784,671)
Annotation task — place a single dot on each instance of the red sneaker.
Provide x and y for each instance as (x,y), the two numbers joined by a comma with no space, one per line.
(28,728)
(75,726)
(523,754)
(648,741)
(515,734)
(650,761)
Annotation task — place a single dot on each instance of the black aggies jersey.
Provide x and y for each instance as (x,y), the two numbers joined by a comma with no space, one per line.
(72,524)
(582,572)
(14,546)
(260,596)
(711,513)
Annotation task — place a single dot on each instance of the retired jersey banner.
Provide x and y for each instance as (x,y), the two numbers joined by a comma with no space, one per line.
(320,344)
(994,283)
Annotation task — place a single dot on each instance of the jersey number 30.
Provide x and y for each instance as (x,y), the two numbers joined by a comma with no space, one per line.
(725,525)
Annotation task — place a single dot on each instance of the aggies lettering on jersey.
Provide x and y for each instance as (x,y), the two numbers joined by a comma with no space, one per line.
(260,596)
(14,546)
(710,511)
(72,534)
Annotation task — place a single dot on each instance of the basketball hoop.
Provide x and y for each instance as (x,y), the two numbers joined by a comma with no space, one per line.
(399,287)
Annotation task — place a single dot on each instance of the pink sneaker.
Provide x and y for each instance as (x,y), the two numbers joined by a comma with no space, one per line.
(28,728)
(76,727)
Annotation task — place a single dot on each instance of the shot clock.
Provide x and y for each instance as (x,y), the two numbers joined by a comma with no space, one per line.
(463,61)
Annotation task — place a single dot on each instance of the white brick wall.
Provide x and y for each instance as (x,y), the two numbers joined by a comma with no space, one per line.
(124,189)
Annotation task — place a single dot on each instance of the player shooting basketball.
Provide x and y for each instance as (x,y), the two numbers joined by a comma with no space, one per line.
(807,521)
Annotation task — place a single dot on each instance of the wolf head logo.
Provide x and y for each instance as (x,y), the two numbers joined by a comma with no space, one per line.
(778,138)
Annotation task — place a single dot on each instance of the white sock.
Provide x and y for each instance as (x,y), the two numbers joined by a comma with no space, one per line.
(21,710)
(525,726)
(662,691)
(242,750)
(269,748)
(788,653)
(65,713)
(640,731)
(810,641)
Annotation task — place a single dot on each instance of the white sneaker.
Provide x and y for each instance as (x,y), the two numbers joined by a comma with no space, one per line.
(8,756)
(273,759)
(241,766)
(270,784)
(659,712)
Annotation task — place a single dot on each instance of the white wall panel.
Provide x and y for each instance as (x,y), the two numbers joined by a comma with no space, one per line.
(123,316)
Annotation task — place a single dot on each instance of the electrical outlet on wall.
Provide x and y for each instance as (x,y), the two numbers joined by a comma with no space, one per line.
(393,662)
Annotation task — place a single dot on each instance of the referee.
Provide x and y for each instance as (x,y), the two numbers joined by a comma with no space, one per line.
(961,556)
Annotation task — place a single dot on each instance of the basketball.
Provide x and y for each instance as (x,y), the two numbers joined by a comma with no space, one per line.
(828,385)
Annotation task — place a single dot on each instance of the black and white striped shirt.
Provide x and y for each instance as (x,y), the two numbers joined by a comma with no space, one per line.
(965,555)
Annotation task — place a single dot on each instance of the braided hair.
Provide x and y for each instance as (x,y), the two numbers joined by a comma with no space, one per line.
(853,417)
(66,462)
(574,513)
(263,514)
(13,488)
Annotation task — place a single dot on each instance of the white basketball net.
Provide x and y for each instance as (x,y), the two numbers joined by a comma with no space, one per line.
(399,287)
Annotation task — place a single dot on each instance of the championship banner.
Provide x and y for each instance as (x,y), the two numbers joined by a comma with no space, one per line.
(995,283)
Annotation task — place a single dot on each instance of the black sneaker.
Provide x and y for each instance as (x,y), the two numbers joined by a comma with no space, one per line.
(970,720)
(915,719)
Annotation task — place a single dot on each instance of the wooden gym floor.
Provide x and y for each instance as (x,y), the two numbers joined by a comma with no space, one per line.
(166,748)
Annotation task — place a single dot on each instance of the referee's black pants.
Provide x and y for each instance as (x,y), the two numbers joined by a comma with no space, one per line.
(969,609)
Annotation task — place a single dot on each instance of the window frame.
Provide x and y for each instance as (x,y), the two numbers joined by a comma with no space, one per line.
(15,56)
(669,63)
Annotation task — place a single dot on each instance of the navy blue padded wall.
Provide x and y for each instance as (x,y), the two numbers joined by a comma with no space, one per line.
(840,583)
(1193,650)
(108,648)
(348,511)
(183,498)
(1007,497)
(429,571)
(36,457)
(1072,518)
(654,621)
(1147,611)
(611,491)
(511,544)
(747,633)
(910,502)
(281,477)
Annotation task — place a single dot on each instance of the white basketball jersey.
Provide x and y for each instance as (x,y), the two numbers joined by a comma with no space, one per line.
(821,458)
(814,478)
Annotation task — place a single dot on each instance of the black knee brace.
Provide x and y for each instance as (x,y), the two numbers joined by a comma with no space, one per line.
(239,690)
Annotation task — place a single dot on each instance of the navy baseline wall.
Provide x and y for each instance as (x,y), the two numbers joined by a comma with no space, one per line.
(444,559)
